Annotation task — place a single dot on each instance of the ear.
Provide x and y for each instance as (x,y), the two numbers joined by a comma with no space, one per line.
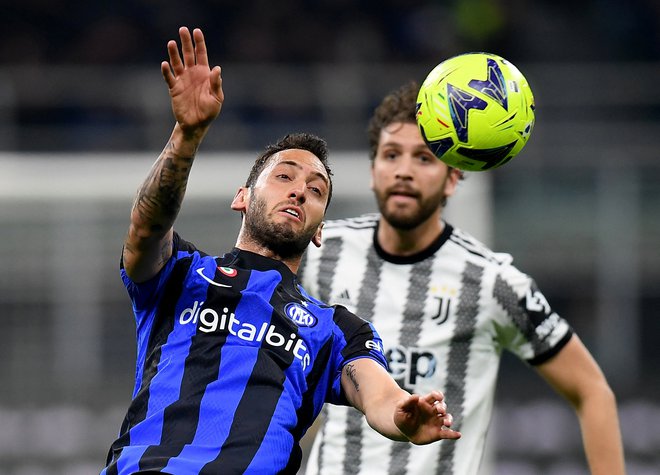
(316,239)
(451,183)
(371,177)
(241,200)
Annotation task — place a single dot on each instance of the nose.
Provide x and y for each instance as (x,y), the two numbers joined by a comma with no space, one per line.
(297,192)
(403,169)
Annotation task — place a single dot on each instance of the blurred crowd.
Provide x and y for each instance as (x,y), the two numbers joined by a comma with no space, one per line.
(102,57)
(122,32)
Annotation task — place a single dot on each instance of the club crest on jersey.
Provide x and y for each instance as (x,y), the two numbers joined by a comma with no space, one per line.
(300,315)
(444,305)
(228,271)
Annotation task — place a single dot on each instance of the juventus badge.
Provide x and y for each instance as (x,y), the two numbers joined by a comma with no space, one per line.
(443,310)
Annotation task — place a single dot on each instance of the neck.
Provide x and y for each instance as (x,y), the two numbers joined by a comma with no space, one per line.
(245,243)
(407,242)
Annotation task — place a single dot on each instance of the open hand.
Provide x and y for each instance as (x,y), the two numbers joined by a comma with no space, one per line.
(195,89)
(424,419)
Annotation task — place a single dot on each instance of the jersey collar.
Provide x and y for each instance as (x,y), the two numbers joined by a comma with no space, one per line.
(413,258)
(249,260)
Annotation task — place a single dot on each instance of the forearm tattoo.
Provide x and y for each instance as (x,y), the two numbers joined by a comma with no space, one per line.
(159,199)
(350,372)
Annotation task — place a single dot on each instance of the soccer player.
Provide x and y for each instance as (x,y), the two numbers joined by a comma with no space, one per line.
(234,358)
(446,307)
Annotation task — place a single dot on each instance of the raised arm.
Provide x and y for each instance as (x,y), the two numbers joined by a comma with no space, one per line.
(575,375)
(196,95)
(390,410)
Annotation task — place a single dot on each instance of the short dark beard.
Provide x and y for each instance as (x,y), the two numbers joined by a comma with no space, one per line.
(410,221)
(278,238)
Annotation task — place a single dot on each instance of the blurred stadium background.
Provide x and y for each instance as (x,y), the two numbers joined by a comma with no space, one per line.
(84,112)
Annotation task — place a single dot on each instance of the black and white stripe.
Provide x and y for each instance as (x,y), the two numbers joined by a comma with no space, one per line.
(459,356)
(481,298)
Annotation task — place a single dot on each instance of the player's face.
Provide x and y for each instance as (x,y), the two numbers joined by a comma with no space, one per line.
(409,182)
(285,209)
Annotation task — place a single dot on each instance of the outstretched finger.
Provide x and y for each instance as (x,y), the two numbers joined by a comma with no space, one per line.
(187,48)
(167,74)
(175,59)
(200,47)
(450,434)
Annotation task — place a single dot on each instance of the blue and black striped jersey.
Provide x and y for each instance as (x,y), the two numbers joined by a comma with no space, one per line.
(234,363)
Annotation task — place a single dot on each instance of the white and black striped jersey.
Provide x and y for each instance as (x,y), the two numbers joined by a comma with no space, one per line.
(445,315)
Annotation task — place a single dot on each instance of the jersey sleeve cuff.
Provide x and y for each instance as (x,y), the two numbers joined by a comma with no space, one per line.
(543,357)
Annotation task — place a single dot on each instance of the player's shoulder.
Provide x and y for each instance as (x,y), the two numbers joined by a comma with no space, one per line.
(363,223)
(465,243)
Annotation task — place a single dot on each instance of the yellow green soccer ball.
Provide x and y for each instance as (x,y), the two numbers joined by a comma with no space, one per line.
(475,111)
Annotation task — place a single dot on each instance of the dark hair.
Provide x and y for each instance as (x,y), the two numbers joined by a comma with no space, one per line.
(298,141)
(398,106)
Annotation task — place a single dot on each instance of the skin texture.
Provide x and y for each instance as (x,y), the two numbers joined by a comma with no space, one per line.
(405,177)
(196,96)
(575,375)
(282,212)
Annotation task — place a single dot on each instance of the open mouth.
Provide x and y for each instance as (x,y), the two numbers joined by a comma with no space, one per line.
(292,212)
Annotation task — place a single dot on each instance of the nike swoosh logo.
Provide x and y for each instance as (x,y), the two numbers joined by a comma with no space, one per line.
(210,281)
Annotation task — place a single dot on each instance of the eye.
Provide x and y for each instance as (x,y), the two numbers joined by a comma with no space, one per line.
(284,176)
(426,158)
(315,190)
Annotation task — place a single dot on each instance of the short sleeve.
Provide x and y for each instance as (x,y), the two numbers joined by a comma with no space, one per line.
(354,338)
(143,295)
(537,331)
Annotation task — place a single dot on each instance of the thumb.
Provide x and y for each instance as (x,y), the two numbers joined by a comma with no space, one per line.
(215,81)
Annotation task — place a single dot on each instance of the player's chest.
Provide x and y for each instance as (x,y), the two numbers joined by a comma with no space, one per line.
(393,295)
(249,308)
